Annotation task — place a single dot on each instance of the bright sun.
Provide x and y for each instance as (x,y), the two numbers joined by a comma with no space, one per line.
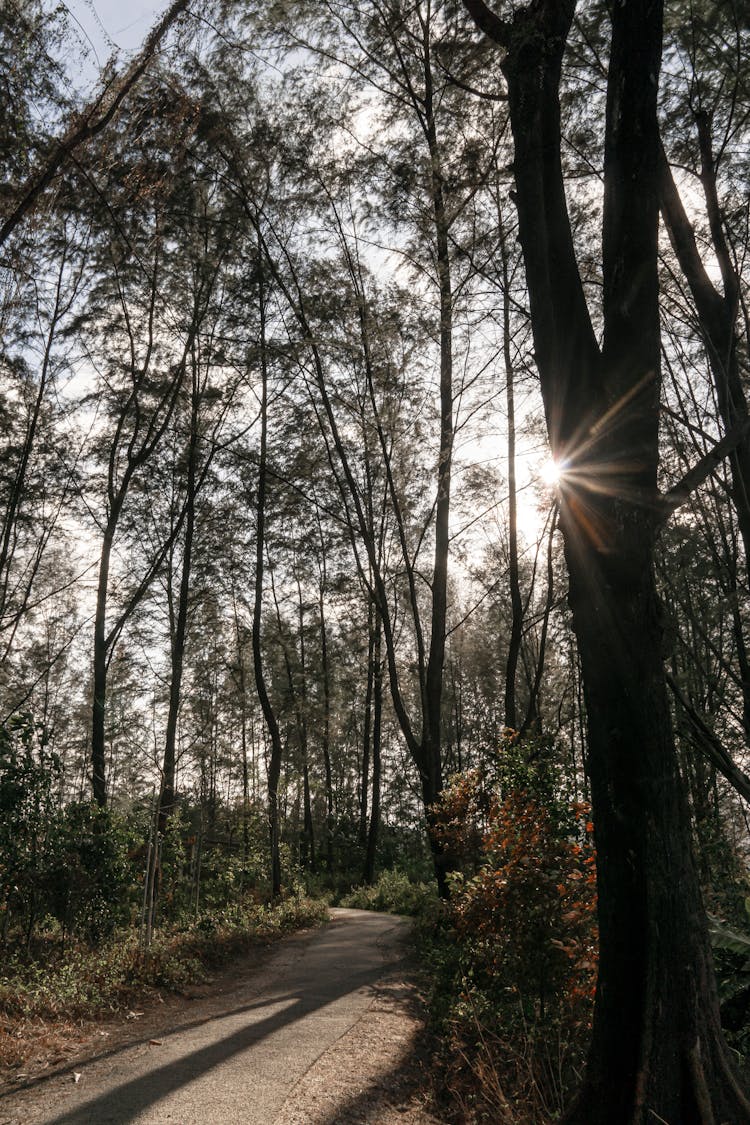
(550,472)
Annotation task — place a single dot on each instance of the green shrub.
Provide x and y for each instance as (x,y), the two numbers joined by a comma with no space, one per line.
(83,982)
(28,808)
(393,893)
(88,878)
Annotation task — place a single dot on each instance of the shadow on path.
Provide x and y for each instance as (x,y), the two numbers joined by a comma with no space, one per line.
(404,1090)
(124,1102)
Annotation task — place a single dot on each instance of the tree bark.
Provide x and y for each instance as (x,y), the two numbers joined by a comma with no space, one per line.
(274,762)
(367,726)
(167,796)
(326,739)
(98,755)
(657,1051)
(377,733)
(533,717)
(514,581)
(430,751)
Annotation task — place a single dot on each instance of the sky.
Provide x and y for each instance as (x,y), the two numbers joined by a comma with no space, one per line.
(108,24)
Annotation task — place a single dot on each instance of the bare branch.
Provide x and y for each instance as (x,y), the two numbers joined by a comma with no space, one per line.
(713,749)
(703,468)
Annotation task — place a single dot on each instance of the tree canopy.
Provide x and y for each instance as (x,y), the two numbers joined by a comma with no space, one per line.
(375,457)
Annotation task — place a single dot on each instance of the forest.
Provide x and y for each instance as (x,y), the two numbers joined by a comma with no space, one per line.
(375,523)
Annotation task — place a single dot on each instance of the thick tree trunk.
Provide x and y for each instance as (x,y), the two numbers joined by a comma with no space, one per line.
(430,763)
(274,762)
(533,717)
(367,727)
(514,581)
(656,1044)
(300,708)
(307,858)
(245,792)
(167,796)
(657,1052)
(326,739)
(241,684)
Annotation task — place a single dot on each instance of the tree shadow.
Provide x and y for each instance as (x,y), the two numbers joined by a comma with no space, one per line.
(404,1086)
(130,1044)
(126,1101)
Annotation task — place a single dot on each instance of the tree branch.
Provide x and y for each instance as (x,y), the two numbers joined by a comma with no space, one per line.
(705,738)
(488,22)
(694,478)
(90,122)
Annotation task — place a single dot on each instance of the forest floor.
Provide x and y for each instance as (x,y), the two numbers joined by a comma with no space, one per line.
(326,1028)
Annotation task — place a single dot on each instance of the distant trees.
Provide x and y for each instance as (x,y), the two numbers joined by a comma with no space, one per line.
(170,207)
(425,173)
(274,554)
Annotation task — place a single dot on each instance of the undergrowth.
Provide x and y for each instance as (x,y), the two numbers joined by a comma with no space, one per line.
(82,983)
(393,893)
(510,960)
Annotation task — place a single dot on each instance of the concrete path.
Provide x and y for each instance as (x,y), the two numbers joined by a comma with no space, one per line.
(238,1064)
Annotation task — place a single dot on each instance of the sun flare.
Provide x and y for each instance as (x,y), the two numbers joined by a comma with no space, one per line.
(550,472)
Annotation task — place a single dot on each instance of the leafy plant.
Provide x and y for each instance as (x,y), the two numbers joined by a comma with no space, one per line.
(732,963)
(88,876)
(28,805)
(393,893)
(513,959)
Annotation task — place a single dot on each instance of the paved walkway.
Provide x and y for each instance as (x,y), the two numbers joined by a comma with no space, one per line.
(239,1063)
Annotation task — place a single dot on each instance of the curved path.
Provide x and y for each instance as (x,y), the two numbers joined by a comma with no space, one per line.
(242,1059)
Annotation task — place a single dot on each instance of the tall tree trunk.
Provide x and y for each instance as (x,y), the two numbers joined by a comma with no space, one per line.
(367,726)
(377,734)
(241,684)
(299,703)
(657,1051)
(533,716)
(275,756)
(301,713)
(326,739)
(516,604)
(167,796)
(98,754)
(431,742)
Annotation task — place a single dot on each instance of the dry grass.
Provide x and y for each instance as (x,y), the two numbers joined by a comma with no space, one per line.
(32,1044)
(51,1004)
